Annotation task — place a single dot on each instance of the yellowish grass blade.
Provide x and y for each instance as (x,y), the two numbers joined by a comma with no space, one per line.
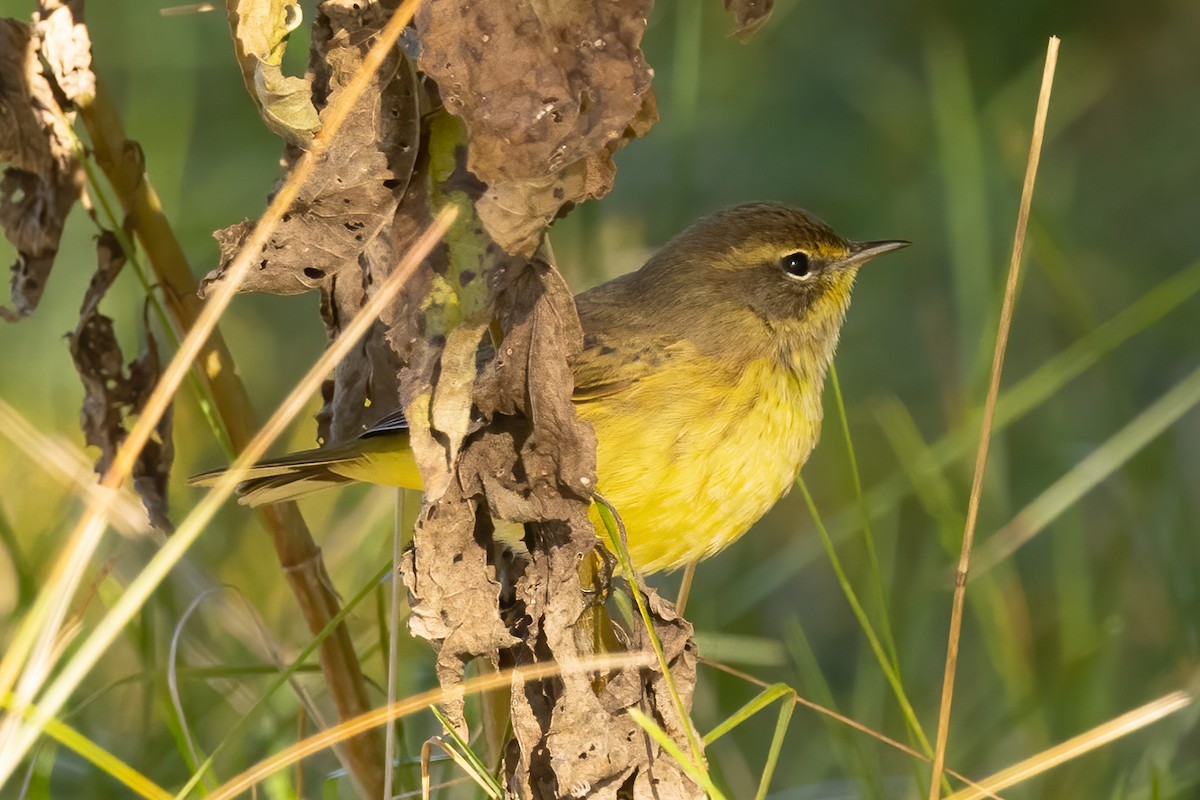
(989,411)
(764,699)
(616,536)
(1084,476)
(68,465)
(466,758)
(781,726)
(32,644)
(365,722)
(700,776)
(108,763)
(139,591)
(1084,743)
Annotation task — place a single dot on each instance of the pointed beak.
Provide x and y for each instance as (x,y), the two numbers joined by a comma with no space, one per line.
(862,252)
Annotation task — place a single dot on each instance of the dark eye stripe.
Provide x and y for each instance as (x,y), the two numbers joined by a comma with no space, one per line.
(796,264)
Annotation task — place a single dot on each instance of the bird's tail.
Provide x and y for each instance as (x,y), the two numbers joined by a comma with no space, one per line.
(286,478)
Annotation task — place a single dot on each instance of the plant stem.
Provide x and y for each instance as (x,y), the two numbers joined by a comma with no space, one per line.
(301,559)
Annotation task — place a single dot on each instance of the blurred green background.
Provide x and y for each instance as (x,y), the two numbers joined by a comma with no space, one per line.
(889,120)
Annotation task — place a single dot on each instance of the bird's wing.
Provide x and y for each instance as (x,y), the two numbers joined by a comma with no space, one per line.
(394,422)
(608,366)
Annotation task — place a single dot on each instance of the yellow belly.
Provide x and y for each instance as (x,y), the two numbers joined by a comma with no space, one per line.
(691,464)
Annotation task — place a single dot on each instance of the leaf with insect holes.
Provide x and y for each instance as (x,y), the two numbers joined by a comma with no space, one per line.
(43,179)
(113,394)
(548,93)
(358,181)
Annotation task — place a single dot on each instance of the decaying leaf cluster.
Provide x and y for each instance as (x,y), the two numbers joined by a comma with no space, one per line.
(510,111)
(42,181)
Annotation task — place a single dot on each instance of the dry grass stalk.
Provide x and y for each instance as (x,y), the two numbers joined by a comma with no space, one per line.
(90,652)
(1074,748)
(989,410)
(851,723)
(410,705)
(31,647)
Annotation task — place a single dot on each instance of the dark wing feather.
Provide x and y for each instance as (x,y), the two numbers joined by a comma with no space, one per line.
(608,365)
(394,422)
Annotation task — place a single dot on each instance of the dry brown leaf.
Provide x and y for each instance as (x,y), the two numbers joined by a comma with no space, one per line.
(750,15)
(113,394)
(67,48)
(531,378)
(548,93)
(43,180)
(260,30)
(359,180)
(364,388)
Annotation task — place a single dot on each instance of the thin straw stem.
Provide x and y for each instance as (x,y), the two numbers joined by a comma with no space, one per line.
(989,410)
(107,630)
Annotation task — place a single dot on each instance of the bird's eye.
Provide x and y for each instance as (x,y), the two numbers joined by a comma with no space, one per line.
(796,265)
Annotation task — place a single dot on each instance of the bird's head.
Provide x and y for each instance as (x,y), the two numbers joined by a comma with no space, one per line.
(781,262)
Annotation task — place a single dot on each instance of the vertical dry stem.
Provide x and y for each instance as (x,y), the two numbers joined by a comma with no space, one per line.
(294,545)
(298,553)
(989,410)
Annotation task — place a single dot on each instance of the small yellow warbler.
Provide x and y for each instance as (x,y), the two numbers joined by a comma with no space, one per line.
(701,374)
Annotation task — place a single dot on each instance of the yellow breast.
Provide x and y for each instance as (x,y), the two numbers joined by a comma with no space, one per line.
(713,456)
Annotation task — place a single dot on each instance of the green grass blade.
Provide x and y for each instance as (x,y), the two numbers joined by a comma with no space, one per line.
(878,593)
(781,726)
(286,675)
(616,537)
(700,776)
(893,677)
(478,771)
(761,701)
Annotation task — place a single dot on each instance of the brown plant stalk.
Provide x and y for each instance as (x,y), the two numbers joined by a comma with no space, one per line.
(299,556)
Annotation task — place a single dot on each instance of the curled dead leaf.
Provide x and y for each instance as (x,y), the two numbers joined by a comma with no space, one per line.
(113,393)
(750,15)
(67,48)
(260,30)
(43,180)
(358,181)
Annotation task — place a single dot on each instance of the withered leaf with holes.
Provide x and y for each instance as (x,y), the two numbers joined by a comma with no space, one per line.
(548,93)
(113,394)
(43,179)
(358,181)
